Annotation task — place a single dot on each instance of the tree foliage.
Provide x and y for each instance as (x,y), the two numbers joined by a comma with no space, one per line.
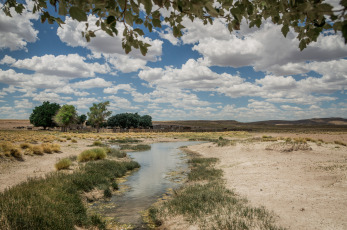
(307,17)
(66,116)
(129,120)
(81,119)
(98,114)
(43,115)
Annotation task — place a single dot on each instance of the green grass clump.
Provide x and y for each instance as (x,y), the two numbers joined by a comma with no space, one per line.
(208,204)
(124,141)
(64,163)
(116,153)
(139,147)
(54,202)
(98,143)
(92,155)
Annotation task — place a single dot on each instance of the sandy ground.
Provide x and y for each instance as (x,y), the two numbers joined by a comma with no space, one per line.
(15,172)
(305,189)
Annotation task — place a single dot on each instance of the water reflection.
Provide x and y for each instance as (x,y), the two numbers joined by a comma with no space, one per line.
(147,184)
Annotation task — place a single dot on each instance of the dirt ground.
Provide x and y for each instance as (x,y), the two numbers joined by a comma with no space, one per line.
(306,189)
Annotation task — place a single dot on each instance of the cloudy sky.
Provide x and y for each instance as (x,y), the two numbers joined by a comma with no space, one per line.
(209,73)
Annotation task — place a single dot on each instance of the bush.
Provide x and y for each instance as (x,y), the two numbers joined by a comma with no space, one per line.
(47,148)
(37,150)
(25,145)
(97,143)
(74,141)
(140,147)
(64,163)
(92,154)
(116,153)
(56,148)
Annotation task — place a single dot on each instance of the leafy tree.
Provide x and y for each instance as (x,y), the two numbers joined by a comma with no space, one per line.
(145,121)
(66,116)
(124,120)
(307,17)
(81,119)
(43,115)
(98,114)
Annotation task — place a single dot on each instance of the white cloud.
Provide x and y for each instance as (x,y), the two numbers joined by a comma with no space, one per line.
(67,66)
(23,104)
(107,46)
(119,103)
(266,49)
(18,30)
(92,83)
(116,88)
(7,60)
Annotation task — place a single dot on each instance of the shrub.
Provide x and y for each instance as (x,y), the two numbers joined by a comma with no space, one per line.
(116,153)
(107,193)
(340,143)
(47,148)
(74,141)
(97,143)
(140,147)
(92,154)
(56,148)
(25,145)
(37,150)
(64,163)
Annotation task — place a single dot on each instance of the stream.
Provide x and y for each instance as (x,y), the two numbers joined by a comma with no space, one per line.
(148,184)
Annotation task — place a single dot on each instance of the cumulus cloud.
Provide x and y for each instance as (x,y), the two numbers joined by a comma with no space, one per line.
(18,30)
(7,60)
(107,46)
(116,88)
(68,66)
(266,49)
(92,83)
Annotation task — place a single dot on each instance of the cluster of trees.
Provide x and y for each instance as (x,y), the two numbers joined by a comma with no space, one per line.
(52,115)
(129,120)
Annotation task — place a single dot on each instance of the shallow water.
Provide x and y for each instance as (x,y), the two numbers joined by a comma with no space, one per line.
(147,184)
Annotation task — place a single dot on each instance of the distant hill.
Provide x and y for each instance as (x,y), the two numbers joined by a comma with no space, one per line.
(314,124)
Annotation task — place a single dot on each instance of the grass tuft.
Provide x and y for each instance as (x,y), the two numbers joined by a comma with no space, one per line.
(64,163)
(140,147)
(92,155)
(116,153)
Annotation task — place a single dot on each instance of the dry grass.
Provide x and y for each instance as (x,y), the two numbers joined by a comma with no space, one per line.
(64,163)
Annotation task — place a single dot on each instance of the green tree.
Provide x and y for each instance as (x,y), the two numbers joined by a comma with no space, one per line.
(307,17)
(66,116)
(98,114)
(124,120)
(43,115)
(81,119)
(145,121)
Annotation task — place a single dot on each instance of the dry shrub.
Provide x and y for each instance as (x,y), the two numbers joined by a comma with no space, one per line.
(92,154)
(37,150)
(64,163)
(288,146)
(25,145)
(55,148)
(8,149)
(47,148)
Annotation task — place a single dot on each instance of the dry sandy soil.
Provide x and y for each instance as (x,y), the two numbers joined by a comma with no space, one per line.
(305,189)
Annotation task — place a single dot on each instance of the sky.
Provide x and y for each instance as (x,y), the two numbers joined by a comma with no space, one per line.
(208,74)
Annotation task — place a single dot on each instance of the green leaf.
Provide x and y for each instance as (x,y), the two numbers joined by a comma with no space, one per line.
(110,19)
(344,31)
(143,50)
(156,22)
(148,6)
(129,18)
(78,14)
(176,32)
(285,30)
(139,31)
(302,45)
(62,8)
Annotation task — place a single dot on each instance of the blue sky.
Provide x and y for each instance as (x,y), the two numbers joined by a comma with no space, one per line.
(249,75)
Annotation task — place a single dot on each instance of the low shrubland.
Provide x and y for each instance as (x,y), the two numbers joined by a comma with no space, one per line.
(205,202)
(140,147)
(92,154)
(55,202)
